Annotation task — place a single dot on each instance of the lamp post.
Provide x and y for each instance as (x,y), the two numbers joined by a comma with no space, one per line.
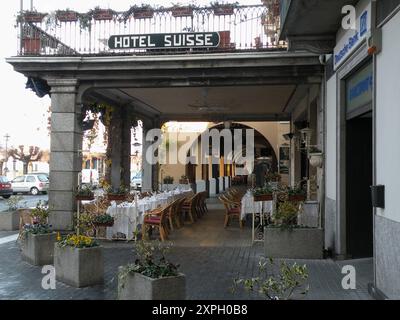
(7,137)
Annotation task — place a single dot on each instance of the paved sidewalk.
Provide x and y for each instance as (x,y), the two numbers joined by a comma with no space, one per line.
(209,255)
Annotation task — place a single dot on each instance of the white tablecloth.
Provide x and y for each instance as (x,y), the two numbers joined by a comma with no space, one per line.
(128,216)
(249,206)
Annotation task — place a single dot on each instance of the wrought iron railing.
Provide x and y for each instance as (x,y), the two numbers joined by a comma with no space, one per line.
(239,28)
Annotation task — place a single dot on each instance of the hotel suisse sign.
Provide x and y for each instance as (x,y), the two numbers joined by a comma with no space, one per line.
(351,39)
(165,40)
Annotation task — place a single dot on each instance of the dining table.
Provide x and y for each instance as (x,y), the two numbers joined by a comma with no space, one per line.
(129,216)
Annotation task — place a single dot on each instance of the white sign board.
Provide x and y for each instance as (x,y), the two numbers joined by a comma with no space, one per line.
(351,39)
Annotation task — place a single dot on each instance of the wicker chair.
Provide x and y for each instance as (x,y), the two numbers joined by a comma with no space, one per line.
(156,220)
(232,210)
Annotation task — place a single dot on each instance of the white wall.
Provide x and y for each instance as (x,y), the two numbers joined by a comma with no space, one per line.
(388,118)
(330,162)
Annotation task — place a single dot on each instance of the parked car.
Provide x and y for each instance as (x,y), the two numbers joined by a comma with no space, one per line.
(30,183)
(136,181)
(6,190)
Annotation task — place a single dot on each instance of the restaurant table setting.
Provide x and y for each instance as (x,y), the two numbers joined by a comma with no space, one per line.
(128,216)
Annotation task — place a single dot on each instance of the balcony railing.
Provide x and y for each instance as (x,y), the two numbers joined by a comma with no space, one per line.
(240,28)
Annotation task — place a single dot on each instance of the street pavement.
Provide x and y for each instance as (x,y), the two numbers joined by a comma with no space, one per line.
(209,255)
(27,201)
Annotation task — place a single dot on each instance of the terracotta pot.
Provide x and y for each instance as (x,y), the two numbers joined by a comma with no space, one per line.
(67,17)
(224,10)
(31,45)
(105,14)
(34,17)
(264,197)
(225,39)
(143,14)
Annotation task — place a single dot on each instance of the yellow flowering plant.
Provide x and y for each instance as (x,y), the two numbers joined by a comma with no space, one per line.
(76,241)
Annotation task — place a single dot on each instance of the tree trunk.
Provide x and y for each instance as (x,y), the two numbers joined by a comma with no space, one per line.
(25,167)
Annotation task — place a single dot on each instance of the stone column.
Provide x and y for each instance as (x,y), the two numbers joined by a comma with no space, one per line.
(65,152)
(126,148)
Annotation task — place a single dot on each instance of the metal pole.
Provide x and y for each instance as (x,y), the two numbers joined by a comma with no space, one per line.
(7,136)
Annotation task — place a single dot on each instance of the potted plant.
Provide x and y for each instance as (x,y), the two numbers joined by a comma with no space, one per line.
(151,276)
(145,11)
(184,180)
(263,194)
(221,9)
(296,194)
(288,284)
(66,15)
(84,192)
(315,157)
(103,14)
(103,220)
(38,238)
(78,261)
(168,180)
(9,218)
(182,11)
(117,194)
(284,238)
(31,17)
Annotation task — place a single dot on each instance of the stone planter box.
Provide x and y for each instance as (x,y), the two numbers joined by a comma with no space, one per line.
(301,243)
(79,267)
(38,249)
(139,287)
(9,221)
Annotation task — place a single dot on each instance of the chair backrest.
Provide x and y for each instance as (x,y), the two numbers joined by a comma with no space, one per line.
(24,217)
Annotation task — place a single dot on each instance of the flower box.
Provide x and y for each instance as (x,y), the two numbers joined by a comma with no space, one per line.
(104,224)
(31,45)
(38,249)
(70,16)
(224,10)
(79,267)
(116,197)
(297,197)
(103,14)
(136,286)
(9,221)
(264,197)
(84,198)
(143,14)
(182,12)
(33,17)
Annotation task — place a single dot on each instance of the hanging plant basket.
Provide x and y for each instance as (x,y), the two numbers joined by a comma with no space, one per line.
(224,10)
(67,16)
(143,14)
(103,14)
(33,17)
(182,12)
